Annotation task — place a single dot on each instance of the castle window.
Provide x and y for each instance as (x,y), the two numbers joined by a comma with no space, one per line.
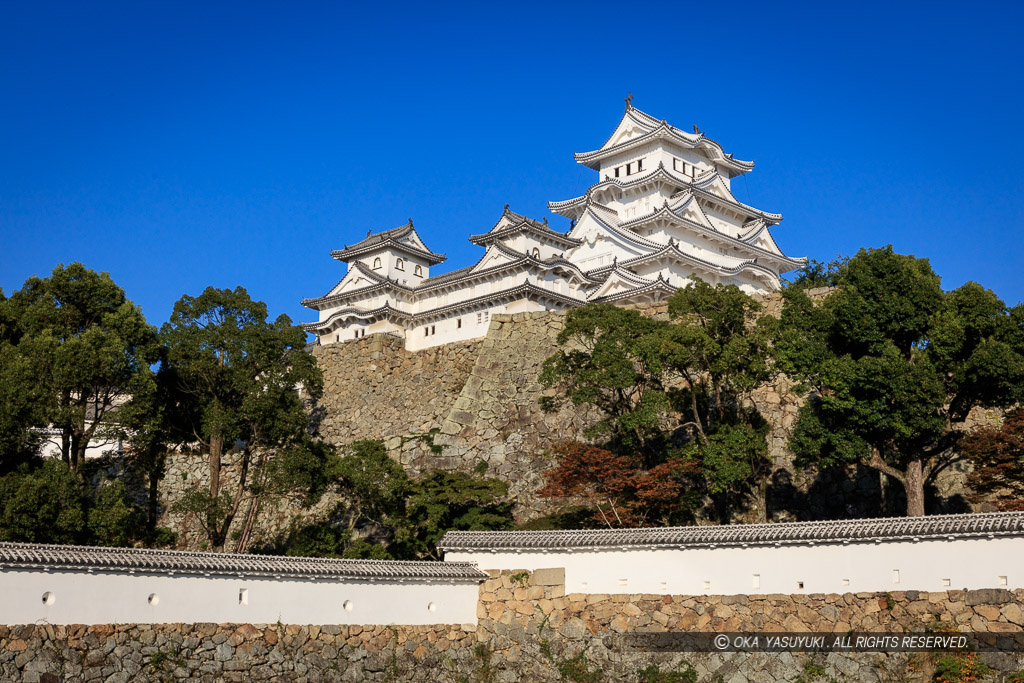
(639,165)
(400,264)
(536,252)
(458,323)
(684,168)
(376,263)
(418,271)
(432,330)
(629,168)
(617,169)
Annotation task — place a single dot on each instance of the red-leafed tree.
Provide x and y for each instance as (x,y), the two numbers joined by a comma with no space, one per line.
(619,489)
(998,456)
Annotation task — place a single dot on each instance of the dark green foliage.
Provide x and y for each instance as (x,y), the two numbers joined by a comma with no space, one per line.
(113,520)
(52,504)
(45,505)
(239,374)
(72,346)
(374,485)
(445,501)
(657,385)
(570,517)
(819,274)
(384,513)
(892,363)
(614,364)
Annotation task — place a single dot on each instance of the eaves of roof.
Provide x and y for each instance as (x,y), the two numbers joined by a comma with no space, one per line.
(139,560)
(937,527)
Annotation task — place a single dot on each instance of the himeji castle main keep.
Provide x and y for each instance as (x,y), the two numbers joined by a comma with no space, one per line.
(661,213)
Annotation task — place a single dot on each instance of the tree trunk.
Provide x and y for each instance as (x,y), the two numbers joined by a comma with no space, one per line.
(212,523)
(216,447)
(250,522)
(76,450)
(914,486)
(762,500)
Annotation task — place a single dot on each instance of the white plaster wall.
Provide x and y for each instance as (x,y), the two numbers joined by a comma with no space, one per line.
(835,568)
(104,598)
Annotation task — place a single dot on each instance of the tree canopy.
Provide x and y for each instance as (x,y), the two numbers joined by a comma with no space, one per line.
(240,376)
(72,349)
(670,396)
(892,364)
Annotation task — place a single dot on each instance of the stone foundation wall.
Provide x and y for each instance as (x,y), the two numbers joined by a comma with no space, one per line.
(375,389)
(480,398)
(529,630)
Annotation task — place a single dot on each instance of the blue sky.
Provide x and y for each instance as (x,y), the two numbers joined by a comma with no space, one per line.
(180,145)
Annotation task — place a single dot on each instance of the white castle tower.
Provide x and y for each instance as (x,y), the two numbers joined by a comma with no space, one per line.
(661,213)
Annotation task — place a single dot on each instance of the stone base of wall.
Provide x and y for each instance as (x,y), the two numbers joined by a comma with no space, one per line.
(528,630)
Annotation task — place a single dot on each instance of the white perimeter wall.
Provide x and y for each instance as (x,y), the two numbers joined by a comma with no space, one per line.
(118,598)
(836,568)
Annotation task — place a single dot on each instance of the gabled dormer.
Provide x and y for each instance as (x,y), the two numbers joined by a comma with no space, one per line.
(398,254)
(525,235)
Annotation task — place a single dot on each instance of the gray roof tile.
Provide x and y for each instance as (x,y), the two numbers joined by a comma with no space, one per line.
(89,558)
(837,531)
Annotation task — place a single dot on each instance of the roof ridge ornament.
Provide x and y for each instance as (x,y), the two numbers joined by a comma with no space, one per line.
(410,222)
(629,101)
(696,130)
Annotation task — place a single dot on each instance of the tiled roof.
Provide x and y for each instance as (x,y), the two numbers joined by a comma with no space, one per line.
(661,129)
(87,558)
(388,239)
(791,533)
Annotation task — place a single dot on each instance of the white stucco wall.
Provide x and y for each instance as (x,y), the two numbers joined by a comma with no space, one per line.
(928,565)
(79,597)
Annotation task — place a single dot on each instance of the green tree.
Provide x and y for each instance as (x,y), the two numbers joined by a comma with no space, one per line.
(373,485)
(72,348)
(614,363)
(383,513)
(819,274)
(111,518)
(241,376)
(648,378)
(442,501)
(893,365)
(44,505)
(718,352)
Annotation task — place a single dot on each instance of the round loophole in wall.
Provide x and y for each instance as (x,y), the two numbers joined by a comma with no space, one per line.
(153,599)
(431,606)
(49,598)
(347,605)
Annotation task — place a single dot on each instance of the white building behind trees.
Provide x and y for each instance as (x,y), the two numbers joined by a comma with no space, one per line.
(661,214)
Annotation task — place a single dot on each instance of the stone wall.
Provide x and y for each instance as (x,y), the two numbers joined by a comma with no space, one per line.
(528,630)
(480,400)
(374,388)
